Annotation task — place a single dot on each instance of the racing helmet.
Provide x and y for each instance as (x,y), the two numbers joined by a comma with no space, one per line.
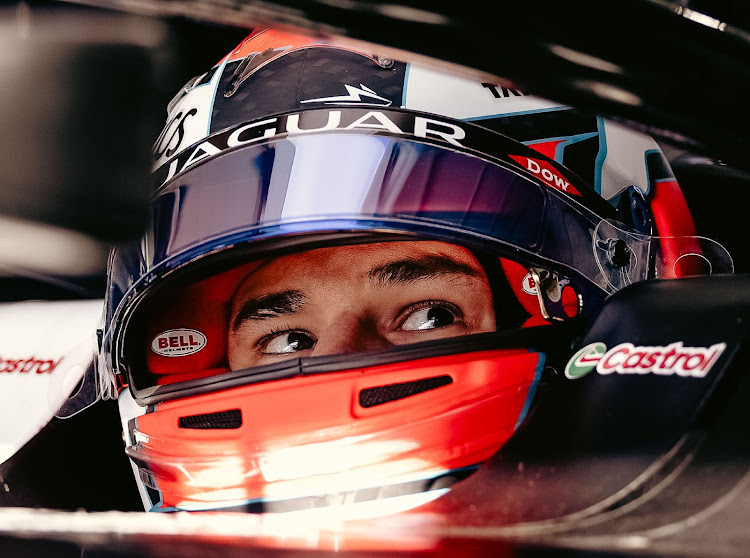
(352,282)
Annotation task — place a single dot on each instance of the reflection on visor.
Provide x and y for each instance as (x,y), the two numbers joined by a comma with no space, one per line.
(346,176)
(307,182)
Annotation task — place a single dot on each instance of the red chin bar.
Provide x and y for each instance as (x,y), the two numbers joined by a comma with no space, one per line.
(361,430)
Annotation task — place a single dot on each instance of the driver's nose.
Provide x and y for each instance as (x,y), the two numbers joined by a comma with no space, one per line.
(348,336)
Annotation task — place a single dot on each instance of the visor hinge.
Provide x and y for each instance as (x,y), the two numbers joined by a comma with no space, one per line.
(618,253)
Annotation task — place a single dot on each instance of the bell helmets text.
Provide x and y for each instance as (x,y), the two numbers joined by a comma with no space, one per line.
(178,342)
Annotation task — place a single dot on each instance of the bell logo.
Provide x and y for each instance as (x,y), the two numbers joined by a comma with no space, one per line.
(528,284)
(547,173)
(178,342)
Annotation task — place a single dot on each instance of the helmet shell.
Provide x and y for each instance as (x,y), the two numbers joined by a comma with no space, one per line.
(205,437)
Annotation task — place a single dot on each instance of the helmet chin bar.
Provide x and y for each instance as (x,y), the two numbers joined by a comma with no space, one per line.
(355,436)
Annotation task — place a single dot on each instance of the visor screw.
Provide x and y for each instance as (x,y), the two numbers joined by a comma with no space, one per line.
(619,254)
(384,62)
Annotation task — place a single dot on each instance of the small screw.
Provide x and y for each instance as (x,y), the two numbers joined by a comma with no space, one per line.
(384,62)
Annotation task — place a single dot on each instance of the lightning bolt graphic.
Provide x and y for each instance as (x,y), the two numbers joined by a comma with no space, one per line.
(354,97)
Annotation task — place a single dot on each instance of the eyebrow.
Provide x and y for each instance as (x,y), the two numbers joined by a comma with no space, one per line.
(396,272)
(269,306)
(415,269)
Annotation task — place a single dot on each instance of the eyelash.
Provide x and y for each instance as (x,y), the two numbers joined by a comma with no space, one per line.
(403,315)
(408,310)
(263,342)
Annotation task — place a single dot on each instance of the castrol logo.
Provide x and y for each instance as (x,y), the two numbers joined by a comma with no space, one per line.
(178,342)
(626,358)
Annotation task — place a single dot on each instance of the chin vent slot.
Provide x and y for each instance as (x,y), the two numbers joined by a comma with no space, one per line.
(222,420)
(385,394)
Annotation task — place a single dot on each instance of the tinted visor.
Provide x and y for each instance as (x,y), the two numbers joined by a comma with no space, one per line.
(289,185)
(352,180)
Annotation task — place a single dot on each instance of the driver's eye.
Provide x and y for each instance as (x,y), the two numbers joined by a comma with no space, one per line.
(288,342)
(431,317)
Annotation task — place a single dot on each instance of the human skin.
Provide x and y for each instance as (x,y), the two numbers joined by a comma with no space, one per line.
(357,298)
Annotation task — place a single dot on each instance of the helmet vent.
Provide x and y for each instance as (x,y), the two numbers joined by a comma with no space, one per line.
(384,394)
(222,420)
